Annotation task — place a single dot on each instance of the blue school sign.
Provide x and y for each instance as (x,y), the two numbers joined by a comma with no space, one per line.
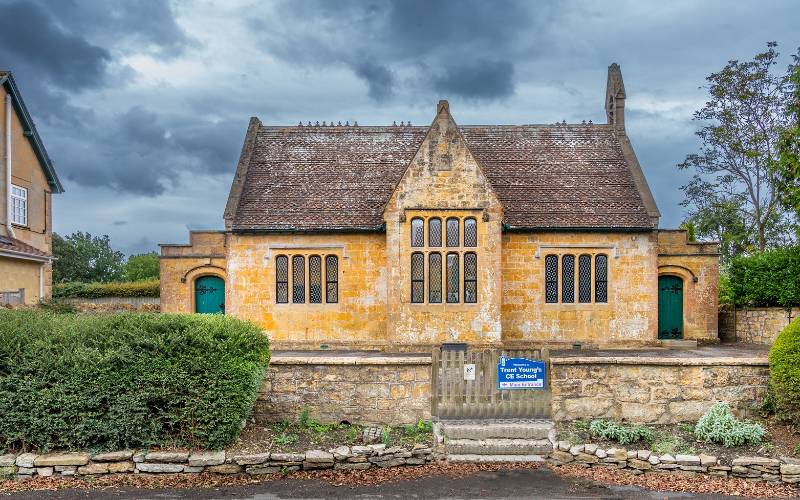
(520,373)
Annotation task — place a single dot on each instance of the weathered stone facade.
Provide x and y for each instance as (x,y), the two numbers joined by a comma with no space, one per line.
(181,265)
(358,389)
(654,389)
(754,325)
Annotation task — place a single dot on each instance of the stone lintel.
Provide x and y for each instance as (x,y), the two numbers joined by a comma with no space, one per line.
(660,361)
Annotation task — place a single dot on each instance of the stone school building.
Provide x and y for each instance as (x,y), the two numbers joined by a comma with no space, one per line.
(387,236)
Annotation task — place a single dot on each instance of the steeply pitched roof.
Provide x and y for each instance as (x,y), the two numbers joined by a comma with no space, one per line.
(7,80)
(315,178)
(12,247)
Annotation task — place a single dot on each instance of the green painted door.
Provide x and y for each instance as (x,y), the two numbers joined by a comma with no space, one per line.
(670,307)
(209,295)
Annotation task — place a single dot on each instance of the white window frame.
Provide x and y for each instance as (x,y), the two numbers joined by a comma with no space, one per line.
(19,205)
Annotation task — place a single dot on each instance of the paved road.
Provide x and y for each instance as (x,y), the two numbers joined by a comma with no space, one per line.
(519,483)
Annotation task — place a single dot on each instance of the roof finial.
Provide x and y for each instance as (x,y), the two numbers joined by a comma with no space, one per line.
(317,124)
(309,123)
(443,105)
(300,124)
(563,122)
(355,123)
(394,123)
(340,123)
(409,123)
(347,123)
(402,123)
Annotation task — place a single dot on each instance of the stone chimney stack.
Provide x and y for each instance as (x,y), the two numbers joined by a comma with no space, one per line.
(615,98)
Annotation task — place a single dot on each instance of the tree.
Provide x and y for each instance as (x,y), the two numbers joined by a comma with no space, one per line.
(86,258)
(788,167)
(733,195)
(142,267)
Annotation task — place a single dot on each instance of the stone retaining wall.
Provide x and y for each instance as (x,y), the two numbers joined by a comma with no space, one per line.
(654,389)
(357,388)
(27,465)
(757,325)
(786,469)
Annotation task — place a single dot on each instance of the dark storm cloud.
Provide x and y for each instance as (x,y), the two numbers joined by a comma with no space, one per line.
(466,48)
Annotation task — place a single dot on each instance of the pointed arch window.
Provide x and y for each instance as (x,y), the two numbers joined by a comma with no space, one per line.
(331,279)
(435,232)
(585,279)
(417,232)
(298,279)
(435,278)
(551,279)
(282,279)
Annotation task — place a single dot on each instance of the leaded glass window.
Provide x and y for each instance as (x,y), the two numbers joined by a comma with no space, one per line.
(417,277)
(315,279)
(470,232)
(551,279)
(585,278)
(298,279)
(417,232)
(453,277)
(601,278)
(435,232)
(568,279)
(332,279)
(282,279)
(435,278)
(453,238)
(470,276)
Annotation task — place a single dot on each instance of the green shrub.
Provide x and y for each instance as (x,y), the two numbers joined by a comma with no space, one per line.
(75,381)
(766,279)
(719,425)
(612,431)
(784,373)
(150,288)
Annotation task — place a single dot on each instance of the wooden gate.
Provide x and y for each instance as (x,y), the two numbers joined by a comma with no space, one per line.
(454,397)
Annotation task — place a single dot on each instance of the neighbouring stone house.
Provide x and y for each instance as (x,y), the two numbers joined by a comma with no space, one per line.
(402,235)
(27,182)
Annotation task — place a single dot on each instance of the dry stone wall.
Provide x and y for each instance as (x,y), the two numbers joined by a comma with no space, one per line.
(654,389)
(757,325)
(377,389)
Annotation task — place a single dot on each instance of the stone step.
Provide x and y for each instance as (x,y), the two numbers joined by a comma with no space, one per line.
(498,446)
(468,458)
(678,344)
(498,429)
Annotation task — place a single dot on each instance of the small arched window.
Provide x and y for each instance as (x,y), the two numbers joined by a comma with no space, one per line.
(282,279)
(453,276)
(470,276)
(585,278)
(470,232)
(417,232)
(568,279)
(315,279)
(601,278)
(435,278)
(453,238)
(298,279)
(551,279)
(435,232)
(331,279)
(417,277)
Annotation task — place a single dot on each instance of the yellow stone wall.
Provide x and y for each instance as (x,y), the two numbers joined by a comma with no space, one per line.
(443,180)
(358,317)
(26,172)
(181,265)
(629,316)
(698,265)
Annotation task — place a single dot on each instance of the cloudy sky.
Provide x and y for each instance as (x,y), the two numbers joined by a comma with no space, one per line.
(143,104)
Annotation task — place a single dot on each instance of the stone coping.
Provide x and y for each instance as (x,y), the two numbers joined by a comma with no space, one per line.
(348,358)
(660,361)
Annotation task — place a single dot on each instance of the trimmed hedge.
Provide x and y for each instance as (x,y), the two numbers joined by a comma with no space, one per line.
(767,279)
(148,288)
(784,372)
(129,380)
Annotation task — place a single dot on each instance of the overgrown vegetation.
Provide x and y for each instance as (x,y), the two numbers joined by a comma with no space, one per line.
(719,425)
(74,381)
(784,373)
(766,279)
(96,290)
(612,431)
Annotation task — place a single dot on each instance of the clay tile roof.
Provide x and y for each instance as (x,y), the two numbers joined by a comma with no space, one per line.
(340,178)
(15,246)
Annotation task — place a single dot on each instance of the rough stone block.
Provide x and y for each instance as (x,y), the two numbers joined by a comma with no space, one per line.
(225,469)
(202,459)
(113,456)
(352,466)
(25,460)
(44,471)
(167,457)
(257,470)
(790,469)
(93,468)
(318,456)
(687,460)
(159,468)
(8,460)
(120,467)
(287,457)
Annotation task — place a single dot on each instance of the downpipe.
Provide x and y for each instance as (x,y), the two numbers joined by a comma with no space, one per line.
(9,229)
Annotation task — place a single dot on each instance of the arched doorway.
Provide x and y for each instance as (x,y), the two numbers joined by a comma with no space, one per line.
(670,307)
(209,295)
